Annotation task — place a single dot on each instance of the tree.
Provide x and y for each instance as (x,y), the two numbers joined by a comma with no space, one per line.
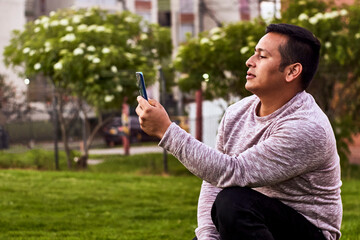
(90,55)
(222,53)
(11,106)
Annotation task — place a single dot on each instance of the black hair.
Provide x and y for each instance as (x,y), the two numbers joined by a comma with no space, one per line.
(302,47)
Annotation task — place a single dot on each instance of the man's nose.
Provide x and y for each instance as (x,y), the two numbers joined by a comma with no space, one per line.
(250,62)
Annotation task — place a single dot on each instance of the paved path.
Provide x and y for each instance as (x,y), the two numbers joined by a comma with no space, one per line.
(120,150)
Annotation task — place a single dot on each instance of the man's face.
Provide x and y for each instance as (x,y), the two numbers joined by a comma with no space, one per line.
(263,77)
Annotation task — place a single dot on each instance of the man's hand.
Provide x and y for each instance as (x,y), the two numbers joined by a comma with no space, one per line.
(153,118)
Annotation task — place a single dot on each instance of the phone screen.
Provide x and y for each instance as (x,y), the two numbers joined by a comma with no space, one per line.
(141,84)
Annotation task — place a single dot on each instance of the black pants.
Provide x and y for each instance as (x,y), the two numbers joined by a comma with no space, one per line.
(243,213)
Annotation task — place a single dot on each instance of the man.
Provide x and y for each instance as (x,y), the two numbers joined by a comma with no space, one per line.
(275,173)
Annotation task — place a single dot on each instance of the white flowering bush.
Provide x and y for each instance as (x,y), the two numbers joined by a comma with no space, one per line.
(90,53)
(222,53)
(337,83)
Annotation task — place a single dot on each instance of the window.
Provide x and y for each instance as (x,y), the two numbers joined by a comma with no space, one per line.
(184,30)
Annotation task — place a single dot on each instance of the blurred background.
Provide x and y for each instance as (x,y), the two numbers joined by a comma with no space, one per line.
(34,114)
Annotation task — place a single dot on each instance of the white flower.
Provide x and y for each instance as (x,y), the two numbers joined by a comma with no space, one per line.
(64,22)
(76,19)
(313,20)
(131,43)
(37,29)
(100,29)
(37,21)
(96,60)
(91,48)
(119,88)
(82,28)
(143,36)
(244,50)
(129,56)
(47,46)
(78,51)
(69,28)
(54,23)
(331,15)
(328,44)
(32,53)
(44,20)
(88,14)
(129,19)
(90,57)
(52,13)
(154,51)
(58,65)
(46,25)
(204,41)
(109,98)
(319,16)
(82,45)
(114,69)
(303,17)
(26,50)
(343,12)
(357,36)
(215,37)
(70,37)
(92,27)
(215,30)
(105,50)
(37,66)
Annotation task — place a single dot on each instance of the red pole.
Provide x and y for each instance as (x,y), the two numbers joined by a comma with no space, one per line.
(126,127)
(198,97)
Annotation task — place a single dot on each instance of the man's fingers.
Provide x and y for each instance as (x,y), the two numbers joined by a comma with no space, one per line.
(153,102)
(142,102)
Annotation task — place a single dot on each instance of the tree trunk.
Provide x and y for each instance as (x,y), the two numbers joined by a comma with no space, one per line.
(64,132)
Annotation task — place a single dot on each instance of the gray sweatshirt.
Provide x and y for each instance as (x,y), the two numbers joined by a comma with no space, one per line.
(289,155)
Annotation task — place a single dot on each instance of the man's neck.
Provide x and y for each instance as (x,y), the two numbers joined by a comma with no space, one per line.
(272,103)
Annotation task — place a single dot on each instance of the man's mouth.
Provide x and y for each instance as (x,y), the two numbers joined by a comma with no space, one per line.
(249,75)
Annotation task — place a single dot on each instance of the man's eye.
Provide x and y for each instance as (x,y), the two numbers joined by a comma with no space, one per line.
(262,56)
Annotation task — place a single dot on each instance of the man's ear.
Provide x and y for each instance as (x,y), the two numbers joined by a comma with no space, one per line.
(293,71)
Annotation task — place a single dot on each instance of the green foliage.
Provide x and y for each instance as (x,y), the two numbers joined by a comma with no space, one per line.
(222,53)
(31,159)
(91,53)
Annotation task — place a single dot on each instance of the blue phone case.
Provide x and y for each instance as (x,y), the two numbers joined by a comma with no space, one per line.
(141,84)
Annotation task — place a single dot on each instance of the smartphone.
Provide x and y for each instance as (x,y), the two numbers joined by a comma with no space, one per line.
(141,84)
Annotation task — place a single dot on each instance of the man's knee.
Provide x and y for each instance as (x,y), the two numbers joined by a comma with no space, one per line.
(230,203)
(235,197)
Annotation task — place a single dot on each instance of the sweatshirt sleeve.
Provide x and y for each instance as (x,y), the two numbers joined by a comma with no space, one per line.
(206,229)
(292,149)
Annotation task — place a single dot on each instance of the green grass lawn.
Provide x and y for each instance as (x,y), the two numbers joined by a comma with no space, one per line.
(122,198)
